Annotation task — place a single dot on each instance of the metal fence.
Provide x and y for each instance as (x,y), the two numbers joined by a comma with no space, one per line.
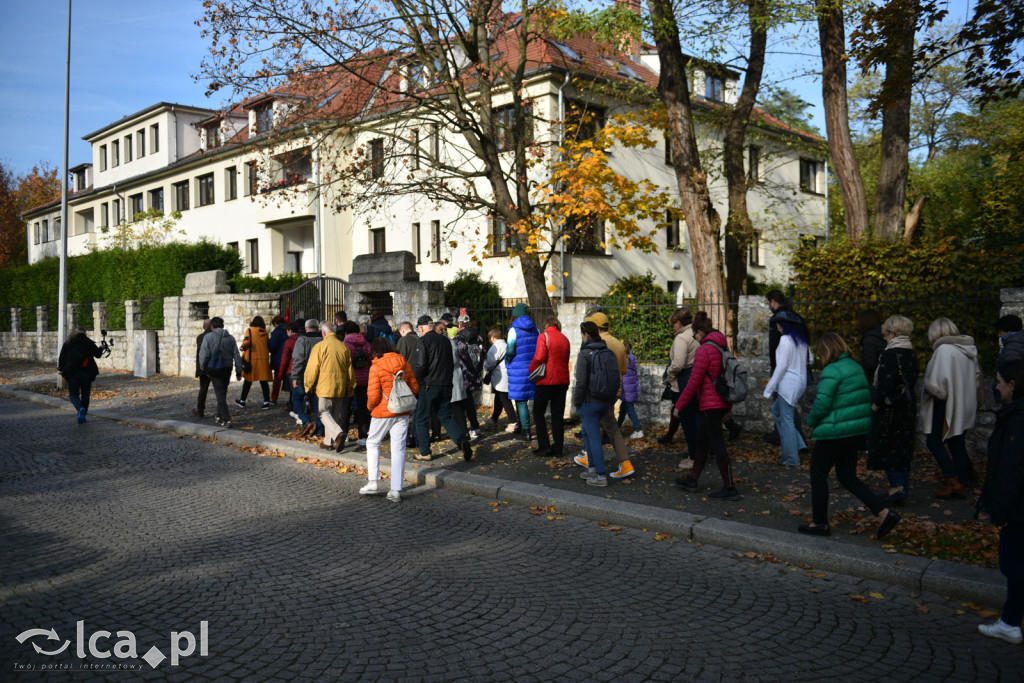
(151,313)
(317,297)
(487,315)
(974,312)
(643,322)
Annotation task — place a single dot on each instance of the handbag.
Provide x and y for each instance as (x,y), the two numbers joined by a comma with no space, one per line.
(307,404)
(542,369)
(902,395)
(401,400)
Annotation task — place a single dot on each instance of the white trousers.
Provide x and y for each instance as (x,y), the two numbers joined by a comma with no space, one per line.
(398,428)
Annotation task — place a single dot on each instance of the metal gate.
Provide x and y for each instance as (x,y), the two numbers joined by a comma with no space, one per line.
(317,297)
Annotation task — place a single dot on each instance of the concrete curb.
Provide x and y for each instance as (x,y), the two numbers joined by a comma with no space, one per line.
(978,584)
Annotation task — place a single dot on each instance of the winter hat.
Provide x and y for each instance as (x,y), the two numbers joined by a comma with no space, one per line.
(447,317)
(519,310)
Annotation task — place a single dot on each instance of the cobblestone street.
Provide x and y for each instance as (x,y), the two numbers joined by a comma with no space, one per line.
(299,577)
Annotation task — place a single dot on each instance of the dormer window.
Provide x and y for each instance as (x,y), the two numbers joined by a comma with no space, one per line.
(567,51)
(212,136)
(264,118)
(714,88)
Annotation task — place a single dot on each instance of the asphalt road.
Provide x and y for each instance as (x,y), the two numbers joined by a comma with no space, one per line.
(298,577)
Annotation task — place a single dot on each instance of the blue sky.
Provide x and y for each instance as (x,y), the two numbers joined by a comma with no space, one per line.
(129,54)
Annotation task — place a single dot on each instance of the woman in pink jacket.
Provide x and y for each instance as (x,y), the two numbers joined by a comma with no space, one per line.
(707,366)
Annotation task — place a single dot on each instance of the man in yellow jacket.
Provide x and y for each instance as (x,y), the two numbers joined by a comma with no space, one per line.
(329,373)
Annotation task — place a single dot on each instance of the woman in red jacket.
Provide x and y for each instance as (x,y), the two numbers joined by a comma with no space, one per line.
(553,351)
(387,363)
(707,366)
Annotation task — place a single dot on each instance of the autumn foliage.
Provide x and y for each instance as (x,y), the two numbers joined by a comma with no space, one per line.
(17,194)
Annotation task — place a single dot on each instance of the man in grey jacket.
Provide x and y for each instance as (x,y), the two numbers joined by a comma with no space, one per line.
(300,356)
(217,355)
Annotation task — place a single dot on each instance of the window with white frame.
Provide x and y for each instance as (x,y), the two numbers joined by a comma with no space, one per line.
(104,215)
(377,158)
(505,123)
(103,157)
(756,255)
(115,153)
(115,207)
(714,88)
(414,150)
(128,148)
(586,234)
(809,169)
(754,163)
(673,234)
(435,141)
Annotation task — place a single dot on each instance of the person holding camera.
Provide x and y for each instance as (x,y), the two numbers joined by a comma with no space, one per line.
(77,364)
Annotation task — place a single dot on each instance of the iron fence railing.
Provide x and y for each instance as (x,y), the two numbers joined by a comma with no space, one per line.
(317,297)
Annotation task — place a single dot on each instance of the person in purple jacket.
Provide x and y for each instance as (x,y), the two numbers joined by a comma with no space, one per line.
(630,395)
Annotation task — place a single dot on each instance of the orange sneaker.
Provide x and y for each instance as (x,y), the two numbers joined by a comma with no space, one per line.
(625,470)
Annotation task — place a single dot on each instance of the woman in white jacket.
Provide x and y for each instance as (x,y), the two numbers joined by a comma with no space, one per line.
(949,404)
(494,366)
(788,382)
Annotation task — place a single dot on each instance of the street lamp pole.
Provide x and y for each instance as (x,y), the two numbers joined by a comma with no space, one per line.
(62,303)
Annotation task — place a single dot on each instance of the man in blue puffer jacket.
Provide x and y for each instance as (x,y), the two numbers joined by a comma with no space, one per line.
(522,342)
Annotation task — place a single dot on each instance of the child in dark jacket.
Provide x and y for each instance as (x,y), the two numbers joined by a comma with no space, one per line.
(630,395)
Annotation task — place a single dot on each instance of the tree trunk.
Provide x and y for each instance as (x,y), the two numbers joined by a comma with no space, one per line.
(832,36)
(702,221)
(739,229)
(891,194)
(913,218)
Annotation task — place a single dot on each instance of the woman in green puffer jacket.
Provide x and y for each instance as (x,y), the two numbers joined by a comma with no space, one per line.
(840,418)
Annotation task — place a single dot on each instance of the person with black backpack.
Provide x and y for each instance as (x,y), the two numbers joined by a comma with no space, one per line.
(708,366)
(470,346)
(597,385)
(362,356)
(77,364)
(218,354)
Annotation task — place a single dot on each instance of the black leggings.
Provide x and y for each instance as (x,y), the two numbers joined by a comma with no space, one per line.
(502,401)
(841,454)
(711,439)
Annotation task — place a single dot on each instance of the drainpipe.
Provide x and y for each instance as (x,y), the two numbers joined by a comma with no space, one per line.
(561,135)
(172,136)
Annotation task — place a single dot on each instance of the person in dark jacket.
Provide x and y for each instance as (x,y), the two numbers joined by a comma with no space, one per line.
(591,407)
(204,379)
(470,347)
(362,357)
(872,341)
(434,366)
(378,326)
(894,408)
(407,341)
(1011,344)
(552,350)
(1002,497)
(77,364)
(276,345)
(304,344)
(840,418)
(220,344)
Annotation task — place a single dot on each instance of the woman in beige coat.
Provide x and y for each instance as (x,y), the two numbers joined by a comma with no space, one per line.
(949,404)
(256,356)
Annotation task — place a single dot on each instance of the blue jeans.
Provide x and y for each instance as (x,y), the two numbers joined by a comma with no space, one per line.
(590,415)
(298,394)
(439,398)
(630,409)
(792,442)
(79,386)
(899,479)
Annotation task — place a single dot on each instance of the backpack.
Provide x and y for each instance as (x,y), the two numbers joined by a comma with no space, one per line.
(604,377)
(476,358)
(360,361)
(731,384)
(401,400)
(216,362)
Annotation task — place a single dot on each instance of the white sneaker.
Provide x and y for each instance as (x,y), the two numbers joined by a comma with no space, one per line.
(473,434)
(511,428)
(298,420)
(1000,629)
(395,496)
(371,489)
(685,464)
(638,434)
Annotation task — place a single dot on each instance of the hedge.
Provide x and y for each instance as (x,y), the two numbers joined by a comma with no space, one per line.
(113,276)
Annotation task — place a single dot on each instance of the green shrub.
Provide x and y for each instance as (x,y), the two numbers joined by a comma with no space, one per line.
(114,276)
(638,309)
(468,288)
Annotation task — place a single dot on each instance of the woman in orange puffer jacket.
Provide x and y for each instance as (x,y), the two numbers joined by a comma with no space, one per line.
(387,363)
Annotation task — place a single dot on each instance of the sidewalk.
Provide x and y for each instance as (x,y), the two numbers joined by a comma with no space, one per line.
(775,499)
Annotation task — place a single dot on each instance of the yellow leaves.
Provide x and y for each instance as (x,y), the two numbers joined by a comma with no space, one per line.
(876,596)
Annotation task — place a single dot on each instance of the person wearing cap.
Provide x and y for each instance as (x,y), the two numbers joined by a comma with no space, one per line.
(788,382)
(609,425)
(433,367)
(777,302)
(522,343)
(449,323)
